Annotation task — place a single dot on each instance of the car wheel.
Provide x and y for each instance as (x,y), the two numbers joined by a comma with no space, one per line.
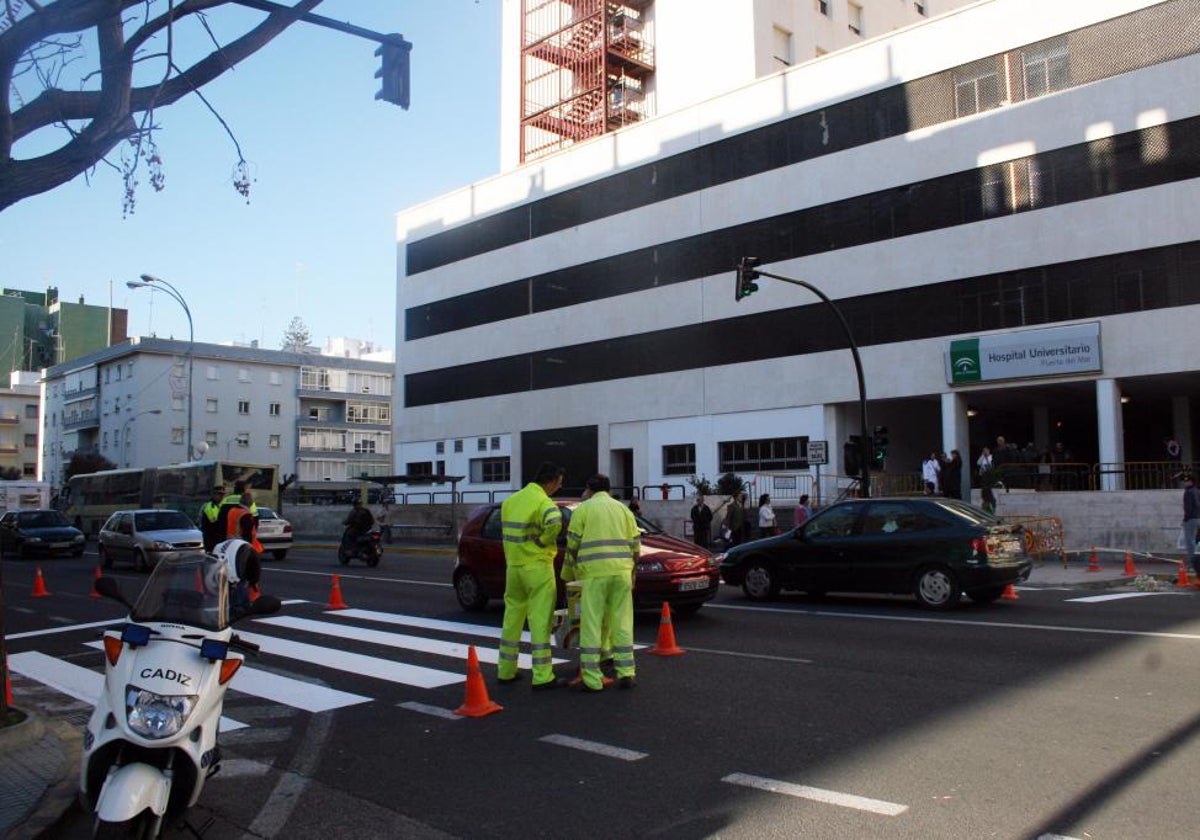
(760,583)
(469,591)
(105,560)
(279,553)
(140,563)
(937,588)
(986,596)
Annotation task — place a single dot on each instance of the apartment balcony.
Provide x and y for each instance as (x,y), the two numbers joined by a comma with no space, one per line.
(74,421)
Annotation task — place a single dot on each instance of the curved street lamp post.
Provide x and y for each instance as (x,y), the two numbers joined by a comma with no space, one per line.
(152,282)
(125,430)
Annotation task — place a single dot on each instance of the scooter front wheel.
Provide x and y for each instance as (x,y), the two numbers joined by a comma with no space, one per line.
(140,827)
(373,556)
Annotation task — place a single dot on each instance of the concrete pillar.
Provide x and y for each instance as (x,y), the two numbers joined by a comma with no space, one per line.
(1110,431)
(1181,422)
(956,435)
(835,435)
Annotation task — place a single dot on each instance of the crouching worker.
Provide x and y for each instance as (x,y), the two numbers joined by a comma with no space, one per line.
(243,571)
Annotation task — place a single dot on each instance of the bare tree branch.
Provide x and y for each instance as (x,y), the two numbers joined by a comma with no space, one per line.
(111,113)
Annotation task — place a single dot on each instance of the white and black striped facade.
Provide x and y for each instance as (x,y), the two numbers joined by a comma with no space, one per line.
(1010,166)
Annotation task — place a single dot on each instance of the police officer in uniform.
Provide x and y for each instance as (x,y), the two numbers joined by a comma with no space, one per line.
(211,524)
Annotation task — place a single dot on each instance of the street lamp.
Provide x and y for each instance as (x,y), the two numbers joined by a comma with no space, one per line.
(125,430)
(157,282)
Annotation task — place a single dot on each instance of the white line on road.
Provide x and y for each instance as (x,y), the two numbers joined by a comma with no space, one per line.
(31,633)
(990,625)
(426,709)
(1095,599)
(353,663)
(829,797)
(741,654)
(344,576)
(594,747)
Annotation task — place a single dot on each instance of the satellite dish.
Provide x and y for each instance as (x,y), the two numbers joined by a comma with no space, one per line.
(201,449)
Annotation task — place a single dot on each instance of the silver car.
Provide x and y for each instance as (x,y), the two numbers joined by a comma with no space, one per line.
(143,537)
(274,532)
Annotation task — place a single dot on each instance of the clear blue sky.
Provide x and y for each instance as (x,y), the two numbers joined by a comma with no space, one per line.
(332,167)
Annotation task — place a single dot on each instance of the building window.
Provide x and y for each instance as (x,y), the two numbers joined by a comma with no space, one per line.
(118,373)
(365,445)
(977,88)
(107,374)
(679,459)
(31,440)
(243,375)
(441,467)
(314,379)
(822,6)
(274,408)
(495,443)
(855,14)
(31,411)
(210,405)
(129,370)
(318,413)
(243,406)
(273,441)
(29,470)
(210,437)
(1047,68)
(210,372)
(419,468)
(490,471)
(458,446)
(177,434)
(481,444)
(177,404)
(105,444)
(275,377)
(767,455)
(781,41)
(440,447)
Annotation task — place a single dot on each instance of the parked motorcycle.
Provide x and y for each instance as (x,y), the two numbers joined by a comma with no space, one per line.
(151,741)
(365,547)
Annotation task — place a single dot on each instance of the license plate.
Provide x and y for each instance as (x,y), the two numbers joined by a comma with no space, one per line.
(693,584)
(60,545)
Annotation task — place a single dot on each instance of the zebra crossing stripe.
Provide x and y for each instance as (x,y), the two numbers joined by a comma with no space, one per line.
(829,797)
(291,692)
(420,644)
(355,663)
(74,680)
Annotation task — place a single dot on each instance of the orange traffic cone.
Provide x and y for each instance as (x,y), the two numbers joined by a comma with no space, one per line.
(1094,562)
(335,596)
(95,578)
(1010,594)
(39,585)
(666,635)
(477,703)
(1182,580)
(1130,569)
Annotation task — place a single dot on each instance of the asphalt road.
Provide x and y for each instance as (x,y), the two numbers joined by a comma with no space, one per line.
(1065,713)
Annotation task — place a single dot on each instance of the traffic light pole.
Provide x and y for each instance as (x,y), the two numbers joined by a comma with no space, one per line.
(864,457)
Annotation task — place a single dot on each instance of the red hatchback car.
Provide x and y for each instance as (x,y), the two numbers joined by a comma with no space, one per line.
(669,569)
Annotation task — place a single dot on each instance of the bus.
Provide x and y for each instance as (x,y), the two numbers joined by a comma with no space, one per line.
(91,498)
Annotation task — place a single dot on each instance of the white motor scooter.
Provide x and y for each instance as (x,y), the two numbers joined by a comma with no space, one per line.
(152,739)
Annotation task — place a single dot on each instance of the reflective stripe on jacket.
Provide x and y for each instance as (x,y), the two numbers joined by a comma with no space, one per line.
(530,522)
(603,539)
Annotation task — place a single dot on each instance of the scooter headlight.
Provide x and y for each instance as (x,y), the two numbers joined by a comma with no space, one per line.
(157,715)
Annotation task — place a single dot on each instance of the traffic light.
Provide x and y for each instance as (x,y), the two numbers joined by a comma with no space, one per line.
(394,72)
(746,275)
(852,455)
(879,451)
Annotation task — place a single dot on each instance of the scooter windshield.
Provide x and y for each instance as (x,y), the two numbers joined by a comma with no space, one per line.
(190,590)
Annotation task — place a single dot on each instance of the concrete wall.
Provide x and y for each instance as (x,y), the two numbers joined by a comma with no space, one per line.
(1142,521)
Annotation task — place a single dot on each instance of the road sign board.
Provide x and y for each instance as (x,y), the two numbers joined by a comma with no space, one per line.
(818,452)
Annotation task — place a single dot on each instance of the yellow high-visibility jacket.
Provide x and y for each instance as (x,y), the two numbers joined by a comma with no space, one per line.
(602,539)
(530,522)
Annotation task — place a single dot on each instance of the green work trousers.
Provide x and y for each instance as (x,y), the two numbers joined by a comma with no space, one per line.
(529,593)
(607,599)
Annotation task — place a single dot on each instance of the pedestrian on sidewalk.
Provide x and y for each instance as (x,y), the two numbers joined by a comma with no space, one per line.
(1191,521)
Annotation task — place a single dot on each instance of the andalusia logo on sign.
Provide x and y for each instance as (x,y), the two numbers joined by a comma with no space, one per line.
(964,360)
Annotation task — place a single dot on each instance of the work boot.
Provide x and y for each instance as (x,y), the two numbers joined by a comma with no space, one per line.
(626,682)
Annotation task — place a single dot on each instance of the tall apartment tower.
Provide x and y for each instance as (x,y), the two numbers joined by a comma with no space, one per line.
(575,69)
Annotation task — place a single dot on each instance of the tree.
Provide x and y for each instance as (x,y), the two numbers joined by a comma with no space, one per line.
(296,337)
(86,462)
(42,42)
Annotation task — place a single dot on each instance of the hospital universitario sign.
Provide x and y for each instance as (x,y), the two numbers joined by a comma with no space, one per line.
(1055,351)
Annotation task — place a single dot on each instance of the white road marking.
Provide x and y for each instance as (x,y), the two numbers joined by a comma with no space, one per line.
(240,768)
(1117,596)
(743,655)
(594,747)
(829,797)
(395,640)
(354,663)
(426,709)
(291,692)
(31,633)
(74,680)
(1055,837)
(344,576)
(989,625)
